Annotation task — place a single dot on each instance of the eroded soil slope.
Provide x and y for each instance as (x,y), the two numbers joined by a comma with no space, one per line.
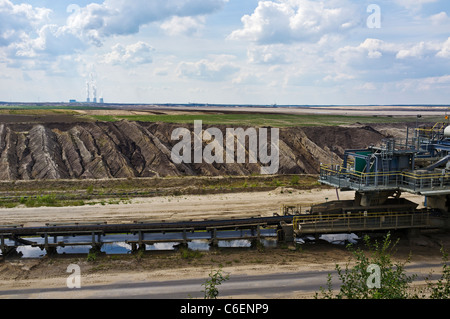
(133,149)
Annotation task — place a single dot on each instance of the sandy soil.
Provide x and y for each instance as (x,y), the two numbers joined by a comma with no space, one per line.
(34,274)
(51,272)
(176,208)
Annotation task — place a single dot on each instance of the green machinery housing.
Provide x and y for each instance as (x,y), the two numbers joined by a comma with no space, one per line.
(418,164)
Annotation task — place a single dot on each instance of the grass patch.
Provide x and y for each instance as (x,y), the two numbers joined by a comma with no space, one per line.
(273,120)
(189,254)
(60,193)
(295,180)
(38,201)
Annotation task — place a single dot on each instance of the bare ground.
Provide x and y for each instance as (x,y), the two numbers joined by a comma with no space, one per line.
(172,208)
(154,266)
(51,272)
(178,208)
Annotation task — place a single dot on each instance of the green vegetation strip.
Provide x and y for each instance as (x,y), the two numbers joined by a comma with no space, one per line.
(241,119)
(58,193)
(255,119)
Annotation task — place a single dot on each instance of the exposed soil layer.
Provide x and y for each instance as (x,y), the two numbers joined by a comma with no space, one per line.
(105,150)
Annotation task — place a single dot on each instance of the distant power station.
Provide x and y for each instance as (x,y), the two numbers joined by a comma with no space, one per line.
(91,87)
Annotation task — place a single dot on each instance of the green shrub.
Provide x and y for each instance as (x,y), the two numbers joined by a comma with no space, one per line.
(295,180)
(395,284)
(92,256)
(211,284)
(90,189)
(441,288)
(190,254)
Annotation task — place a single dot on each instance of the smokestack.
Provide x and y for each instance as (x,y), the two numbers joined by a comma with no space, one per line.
(88,91)
(95,94)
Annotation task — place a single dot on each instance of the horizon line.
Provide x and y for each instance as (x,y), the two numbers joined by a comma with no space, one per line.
(219,104)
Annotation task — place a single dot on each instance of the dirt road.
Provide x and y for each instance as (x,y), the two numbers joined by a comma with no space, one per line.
(299,283)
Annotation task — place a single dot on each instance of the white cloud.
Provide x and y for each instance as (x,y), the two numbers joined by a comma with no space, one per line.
(16,21)
(413,4)
(54,40)
(248,78)
(338,77)
(131,55)
(183,25)
(439,80)
(416,51)
(286,21)
(267,54)
(439,18)
(88,22)
(215,68)
(44,50)
(285,51)
(368,86)
(425,84)
(117,17)
(427,49)
(376,48)
(370,49)
(444,51)
(375,61)
(29,41)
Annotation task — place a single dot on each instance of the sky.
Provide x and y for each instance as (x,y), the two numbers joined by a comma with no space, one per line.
(285,52)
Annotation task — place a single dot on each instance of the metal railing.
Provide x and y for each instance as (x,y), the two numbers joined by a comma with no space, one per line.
(433,133)
(296,209)
(353,222)
(410,181)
